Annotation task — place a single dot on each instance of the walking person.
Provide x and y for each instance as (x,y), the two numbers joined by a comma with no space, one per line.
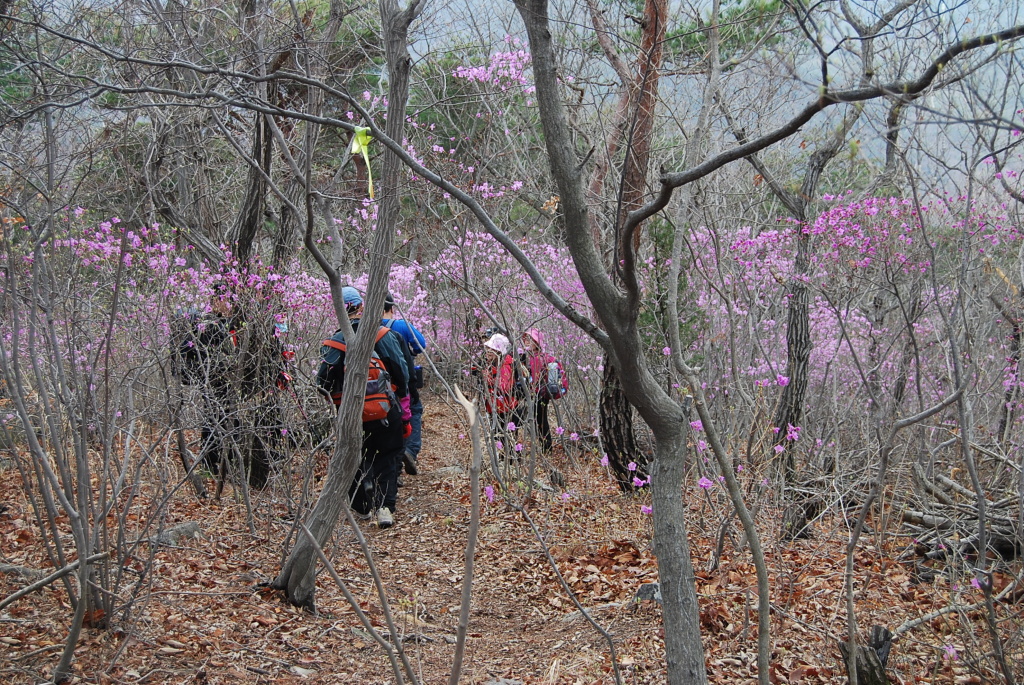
(502,399)
(374,490)
(416,344)
(536,362)
(203,350)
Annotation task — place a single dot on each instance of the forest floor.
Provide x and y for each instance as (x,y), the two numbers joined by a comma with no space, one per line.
(204,614)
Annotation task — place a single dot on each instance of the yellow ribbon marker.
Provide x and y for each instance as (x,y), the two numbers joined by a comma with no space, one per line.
(360,145)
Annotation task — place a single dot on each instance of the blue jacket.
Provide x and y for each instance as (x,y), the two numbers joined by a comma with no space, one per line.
(417,343)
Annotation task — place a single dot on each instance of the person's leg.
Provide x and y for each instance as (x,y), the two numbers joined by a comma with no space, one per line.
(415,442)
(543,426)
(361,490)
(215,431)
(388,449)
(266,437)
(390,467)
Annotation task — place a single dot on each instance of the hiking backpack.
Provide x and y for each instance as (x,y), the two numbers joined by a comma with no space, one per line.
(380,396)
(556,383)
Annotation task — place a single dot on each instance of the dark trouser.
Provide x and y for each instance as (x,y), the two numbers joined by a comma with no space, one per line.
(543,426)
(376,481)
(266,439)
(220,427)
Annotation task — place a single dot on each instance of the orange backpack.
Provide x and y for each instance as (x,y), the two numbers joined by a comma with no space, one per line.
(380,396)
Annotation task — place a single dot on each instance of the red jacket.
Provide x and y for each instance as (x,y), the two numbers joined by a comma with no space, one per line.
(501,383)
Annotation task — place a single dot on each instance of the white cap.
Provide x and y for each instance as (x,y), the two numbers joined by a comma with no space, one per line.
(498,343)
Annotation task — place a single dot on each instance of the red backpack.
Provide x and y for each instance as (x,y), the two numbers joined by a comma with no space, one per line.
(380,396)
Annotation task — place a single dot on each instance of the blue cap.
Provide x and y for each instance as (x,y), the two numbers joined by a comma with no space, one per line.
(352,296)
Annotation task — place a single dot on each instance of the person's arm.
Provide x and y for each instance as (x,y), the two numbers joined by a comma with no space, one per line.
(421,342)
(389,349)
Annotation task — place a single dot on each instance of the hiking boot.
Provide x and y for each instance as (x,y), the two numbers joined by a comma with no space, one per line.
(410,463)
(384,518)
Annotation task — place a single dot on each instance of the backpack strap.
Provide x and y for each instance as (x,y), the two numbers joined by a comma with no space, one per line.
(331,342)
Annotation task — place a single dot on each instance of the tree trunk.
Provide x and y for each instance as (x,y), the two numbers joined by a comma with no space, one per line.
(1013,390)
(640,95)
(871,658)
(798,352)
(617,435)
(297,577)
(684,652)
(618,313)
(250,216)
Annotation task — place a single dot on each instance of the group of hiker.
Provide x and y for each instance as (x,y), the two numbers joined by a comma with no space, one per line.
(392,408)
(511,384)
(514,388)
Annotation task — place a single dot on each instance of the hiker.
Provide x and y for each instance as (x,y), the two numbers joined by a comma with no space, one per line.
(536,362)
(237,367)
(374,491)
(202,351)
(416,344)
(499,374)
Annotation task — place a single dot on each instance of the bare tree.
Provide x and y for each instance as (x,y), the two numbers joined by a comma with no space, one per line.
(297,576)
